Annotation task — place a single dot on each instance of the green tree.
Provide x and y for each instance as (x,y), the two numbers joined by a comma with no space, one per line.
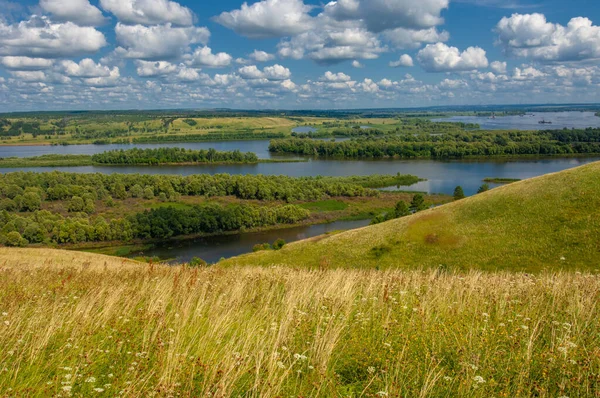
(14,239)
(279,244)
(76,204)
(136,191)
(483,188)
(197,262)
(401,209)
(31,202)
(459,193)
(148,193)
(418,203)
(33,233)
(90,206)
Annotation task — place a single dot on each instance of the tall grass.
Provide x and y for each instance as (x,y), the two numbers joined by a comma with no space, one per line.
(75,324)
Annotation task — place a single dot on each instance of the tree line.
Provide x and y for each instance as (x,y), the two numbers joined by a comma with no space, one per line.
(450,145)
(160,156)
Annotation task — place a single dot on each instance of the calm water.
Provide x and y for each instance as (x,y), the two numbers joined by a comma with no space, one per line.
(212,249)
(442,176)
(304,130)
(560,120)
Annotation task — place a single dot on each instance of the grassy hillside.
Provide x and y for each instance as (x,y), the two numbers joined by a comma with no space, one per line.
(551,222)
(80,325)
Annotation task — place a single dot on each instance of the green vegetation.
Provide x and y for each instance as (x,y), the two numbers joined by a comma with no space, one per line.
(88,325)
(501,180)
(162,156)
(547,223)
(450,145)
(483,188)
(66,208)
(459,193)
(48,161)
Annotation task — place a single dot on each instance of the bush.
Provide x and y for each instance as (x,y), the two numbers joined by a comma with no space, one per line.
(459,193)
(261,247)
(279,244)
(14,239)
(197,262)
(76,204)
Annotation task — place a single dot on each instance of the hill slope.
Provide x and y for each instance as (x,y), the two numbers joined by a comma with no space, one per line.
(551,222)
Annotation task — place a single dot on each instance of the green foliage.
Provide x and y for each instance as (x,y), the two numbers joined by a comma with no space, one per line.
(450,145)
(14,239)
(483,188)
(459,193)
(197,262)
(76,204)
(418,203)
(401,210)
(190,122)
(279,244)
(161,156)
(31,202)
(262,247)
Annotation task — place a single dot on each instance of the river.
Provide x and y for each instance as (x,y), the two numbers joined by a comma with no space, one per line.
(531,121)
(212,249)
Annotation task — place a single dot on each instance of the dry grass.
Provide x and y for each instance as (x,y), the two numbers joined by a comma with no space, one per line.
(83,325)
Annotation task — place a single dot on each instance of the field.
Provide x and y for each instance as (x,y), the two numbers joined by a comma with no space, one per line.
(548,223)
(75,324)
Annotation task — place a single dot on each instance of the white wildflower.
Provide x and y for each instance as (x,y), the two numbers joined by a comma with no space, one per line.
(67,388)
(5,314)
(90,380)
(281,365)
(478,380)
(371,369)
(382,394)
(98,389)
(6,323)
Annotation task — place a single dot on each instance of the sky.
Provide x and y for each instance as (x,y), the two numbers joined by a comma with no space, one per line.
(296,54)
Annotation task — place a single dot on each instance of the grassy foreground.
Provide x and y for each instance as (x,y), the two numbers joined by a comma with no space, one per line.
(546,223)
(74,324)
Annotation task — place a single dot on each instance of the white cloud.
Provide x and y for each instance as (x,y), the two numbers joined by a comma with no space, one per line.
(498,67)
(335,77)
(527,73)
(261,56)
(39,37)
(85,68)
(369,86)
(405,61)
(204,57)
(531,36)
(357,65)
(26,63)
(381,15)
(408,38)
(162,42)
(269,73)
(111,80)
(442,58)
(268,19)
(277,72)
(153,69)
(80,12)
(188,75)
(30,76)
(149,12)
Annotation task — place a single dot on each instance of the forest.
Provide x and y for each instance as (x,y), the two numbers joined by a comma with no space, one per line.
(63,208)
(450,145)
(161,156)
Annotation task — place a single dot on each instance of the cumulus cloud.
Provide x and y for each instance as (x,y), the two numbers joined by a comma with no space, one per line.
(498,67)
(85,68)
(80,12)
(38,37)
(268,19)
(261,56)
(357,64)
(442,58)
(149,12)
(381,15)
(408,38)
(532,36)
(270,73)
(335,77)
(153,69)
(161,42)
(405,61)
(204,57)
(328,46)
(26,63)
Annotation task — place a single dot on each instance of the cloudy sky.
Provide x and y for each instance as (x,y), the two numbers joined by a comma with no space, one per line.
(296,54)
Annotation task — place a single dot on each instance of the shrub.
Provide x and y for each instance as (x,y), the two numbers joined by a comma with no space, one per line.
(197,262)
(279,244)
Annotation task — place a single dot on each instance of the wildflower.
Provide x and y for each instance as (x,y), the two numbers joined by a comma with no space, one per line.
(371,369)
(447,378)
(478,380)
(485,315)
(90,380)
(98,389)
(280,365)
(6,323)
(562,259)
(524,327)
(67,388)
(110,375)
(68,376)
(299,357)
(382,394)
(5,314)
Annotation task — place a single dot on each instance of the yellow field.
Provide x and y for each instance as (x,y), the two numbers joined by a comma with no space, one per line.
(74,324)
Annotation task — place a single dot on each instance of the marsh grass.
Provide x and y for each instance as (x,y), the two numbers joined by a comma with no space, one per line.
(76,324)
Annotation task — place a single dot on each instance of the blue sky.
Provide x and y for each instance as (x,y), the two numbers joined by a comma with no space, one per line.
(295,54)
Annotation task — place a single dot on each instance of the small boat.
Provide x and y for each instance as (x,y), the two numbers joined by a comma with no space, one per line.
(544,122)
